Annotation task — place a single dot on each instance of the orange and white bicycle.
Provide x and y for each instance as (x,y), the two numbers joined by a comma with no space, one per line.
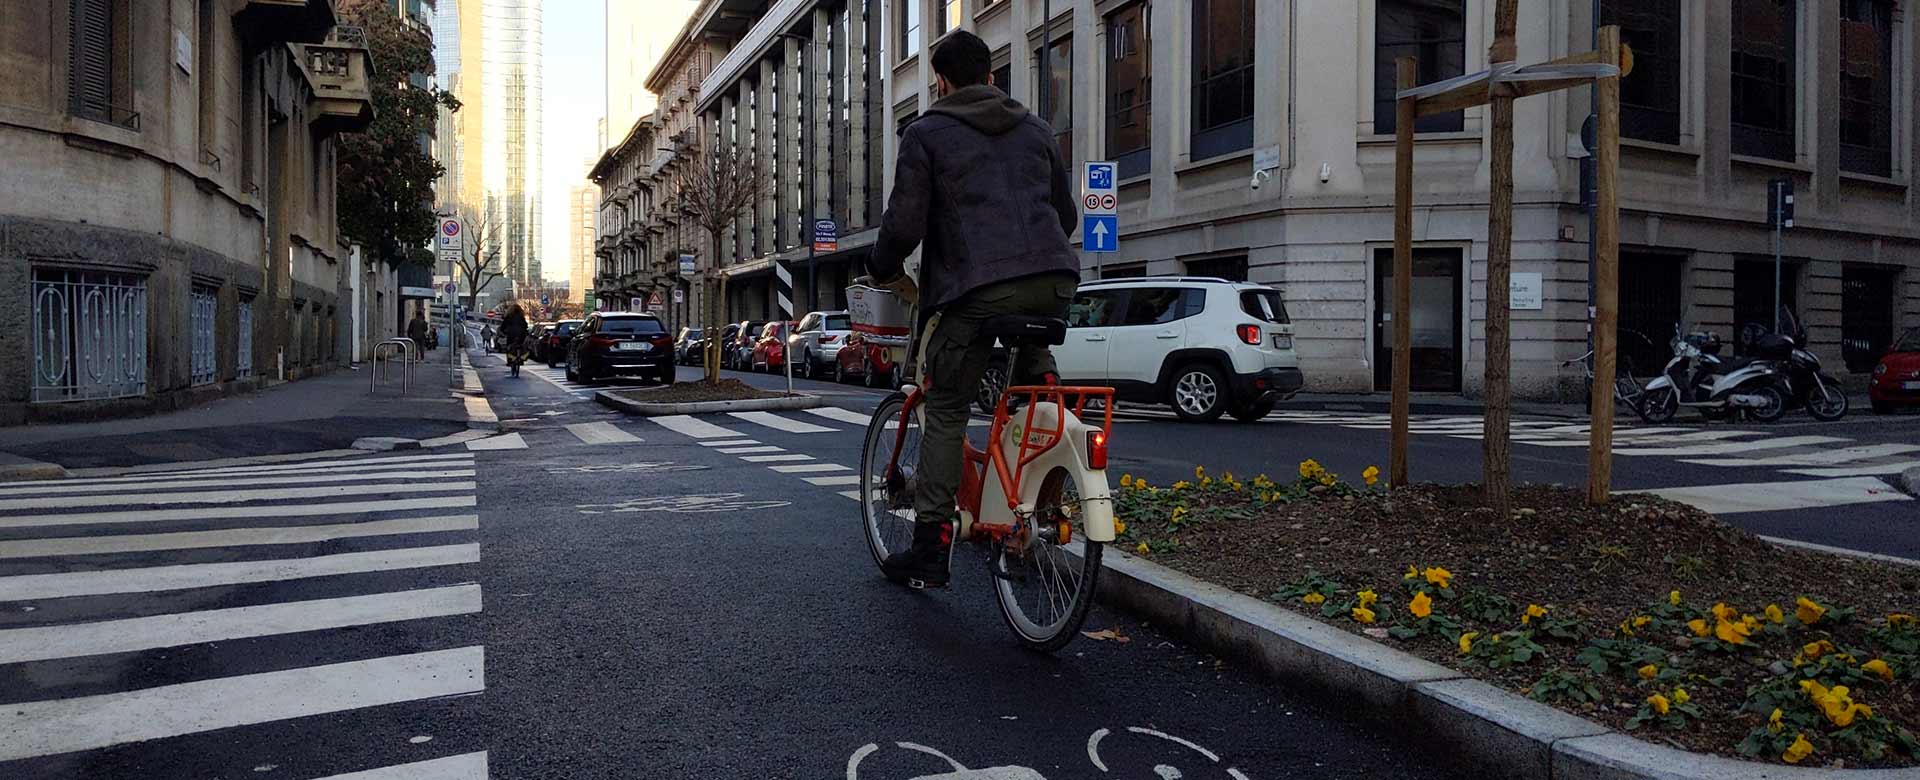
(1036,498)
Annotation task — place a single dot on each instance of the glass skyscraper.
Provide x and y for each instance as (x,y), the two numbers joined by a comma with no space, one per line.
(493,67)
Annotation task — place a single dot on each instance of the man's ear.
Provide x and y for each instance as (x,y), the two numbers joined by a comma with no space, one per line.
(940,84)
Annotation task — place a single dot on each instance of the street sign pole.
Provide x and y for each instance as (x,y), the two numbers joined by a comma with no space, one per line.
(1099,211)
(1780,213)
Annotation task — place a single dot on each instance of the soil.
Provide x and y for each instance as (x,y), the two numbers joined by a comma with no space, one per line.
(1600,565)
(693,392)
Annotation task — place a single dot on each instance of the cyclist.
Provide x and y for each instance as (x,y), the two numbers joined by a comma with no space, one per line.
(513,332)
(980,187)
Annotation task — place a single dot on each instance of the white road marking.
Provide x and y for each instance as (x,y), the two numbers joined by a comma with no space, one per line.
(26,587)
(777,422)
(1777,496)
(693,427)
(447,460)
(1727,448)
(1864,470)
(511,441)
(462,470)
(1816,458)
(601,433)
(478,410)
(558,379)
(74,640)
(750,450)
(853,494)
(455,438)
(842,415)
(789,458)
(217,512)
(809,468)
(229,496)
(236,537)
(844,479)
(83,723)
(728,443)
(468,766)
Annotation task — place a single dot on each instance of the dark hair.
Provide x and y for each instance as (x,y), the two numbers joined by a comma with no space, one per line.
(963,59)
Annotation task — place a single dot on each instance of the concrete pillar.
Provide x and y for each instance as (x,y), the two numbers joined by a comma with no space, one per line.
(745,114)
(767,152)
(792,177)
(1825,98)
(1819,307)
(819,161)
(855,52)
(723,251)
(1089,44)
(1716,142)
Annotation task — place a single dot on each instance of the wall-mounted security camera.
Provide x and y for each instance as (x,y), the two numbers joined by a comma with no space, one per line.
(1259,177)
(1326,172)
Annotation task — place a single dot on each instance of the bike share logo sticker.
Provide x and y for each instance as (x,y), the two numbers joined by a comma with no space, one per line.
(659,467)
(711,502)
(1182,760)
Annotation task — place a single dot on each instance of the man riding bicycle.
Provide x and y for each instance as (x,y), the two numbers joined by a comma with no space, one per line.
(981,189)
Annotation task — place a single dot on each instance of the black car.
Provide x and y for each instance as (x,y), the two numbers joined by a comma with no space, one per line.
(687,348)
(621,344)
(553,342)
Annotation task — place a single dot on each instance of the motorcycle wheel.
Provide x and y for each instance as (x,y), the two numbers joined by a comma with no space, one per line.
(1658,406)
(1776,405)
(1827,403)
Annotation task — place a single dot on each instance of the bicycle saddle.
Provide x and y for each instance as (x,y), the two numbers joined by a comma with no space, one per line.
(1018,330)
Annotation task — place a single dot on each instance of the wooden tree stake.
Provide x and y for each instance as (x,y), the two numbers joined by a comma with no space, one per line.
(1496,458)
(1606,274)
(1402,270)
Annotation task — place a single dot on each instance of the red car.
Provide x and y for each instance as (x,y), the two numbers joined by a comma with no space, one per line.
(1896,380)
(871,362)
(770,351)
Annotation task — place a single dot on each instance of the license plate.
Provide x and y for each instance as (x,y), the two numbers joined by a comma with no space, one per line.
(1910,385)
(1282,341)
(632,346)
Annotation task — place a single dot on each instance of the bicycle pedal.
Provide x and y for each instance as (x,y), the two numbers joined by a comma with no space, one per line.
(919,584)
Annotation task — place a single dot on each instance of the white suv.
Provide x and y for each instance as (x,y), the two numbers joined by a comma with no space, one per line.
(1204,346)
(817,340)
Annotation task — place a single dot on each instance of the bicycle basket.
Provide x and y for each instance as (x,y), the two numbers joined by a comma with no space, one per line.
(878,312)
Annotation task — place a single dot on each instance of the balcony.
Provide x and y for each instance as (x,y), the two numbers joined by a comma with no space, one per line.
(338,70)
(263,23)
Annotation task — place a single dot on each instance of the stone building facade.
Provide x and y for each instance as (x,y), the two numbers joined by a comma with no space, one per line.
(167,225)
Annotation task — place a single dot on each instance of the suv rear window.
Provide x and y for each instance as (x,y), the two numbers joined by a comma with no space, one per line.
(839,322)
(636,326)
(1265,305)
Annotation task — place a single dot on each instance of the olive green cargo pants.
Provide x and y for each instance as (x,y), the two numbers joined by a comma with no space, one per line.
(956,358)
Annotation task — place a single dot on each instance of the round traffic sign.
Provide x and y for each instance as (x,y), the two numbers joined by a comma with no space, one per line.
(1093,201)
(450,227)
(1108,201)
(450,288)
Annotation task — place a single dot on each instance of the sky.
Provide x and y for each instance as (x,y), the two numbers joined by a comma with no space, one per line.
(572,41)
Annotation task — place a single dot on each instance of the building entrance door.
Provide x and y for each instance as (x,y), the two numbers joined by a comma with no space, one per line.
(1436,320)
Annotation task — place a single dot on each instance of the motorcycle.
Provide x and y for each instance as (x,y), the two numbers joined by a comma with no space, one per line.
(1806,385)
(1698,377)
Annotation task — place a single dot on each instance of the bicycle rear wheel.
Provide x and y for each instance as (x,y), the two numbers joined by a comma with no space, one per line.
(1044,589)
(886,481)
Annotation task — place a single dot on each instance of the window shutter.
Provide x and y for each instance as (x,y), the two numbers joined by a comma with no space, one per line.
(90,59)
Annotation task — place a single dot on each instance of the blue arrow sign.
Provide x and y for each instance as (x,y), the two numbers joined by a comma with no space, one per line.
(1100,233)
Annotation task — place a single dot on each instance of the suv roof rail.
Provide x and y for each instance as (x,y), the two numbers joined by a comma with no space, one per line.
(1161,278)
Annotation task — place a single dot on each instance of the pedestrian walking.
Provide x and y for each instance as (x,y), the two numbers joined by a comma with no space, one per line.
(417,331)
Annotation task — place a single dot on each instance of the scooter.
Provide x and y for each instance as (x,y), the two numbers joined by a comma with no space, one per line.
(1698,377)
(1806,385)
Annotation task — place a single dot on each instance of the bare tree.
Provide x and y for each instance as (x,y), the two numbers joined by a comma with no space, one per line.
(479,263)
(717,187)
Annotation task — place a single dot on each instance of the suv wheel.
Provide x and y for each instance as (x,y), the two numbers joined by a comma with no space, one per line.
(572,375)
(1198,393)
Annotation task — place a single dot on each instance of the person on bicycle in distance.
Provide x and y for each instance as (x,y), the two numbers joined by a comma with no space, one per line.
(513,330)
(980,188)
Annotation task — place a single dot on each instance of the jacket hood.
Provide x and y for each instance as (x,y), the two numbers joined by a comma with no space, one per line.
(984,108)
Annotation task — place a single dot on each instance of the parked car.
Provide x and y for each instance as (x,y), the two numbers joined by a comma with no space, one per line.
(620,344)
(687,346)
(770,351)
(726,337)
(858,357)
(535,339)
(737,353)
(1896,378)
(1202,345)
(553,342)
(817,340)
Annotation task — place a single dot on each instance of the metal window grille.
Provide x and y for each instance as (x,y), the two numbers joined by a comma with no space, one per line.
(89,336)
(243,357)
(206,308)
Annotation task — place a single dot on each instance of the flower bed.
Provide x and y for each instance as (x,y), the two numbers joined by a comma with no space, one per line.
(1645,615)
(695,392)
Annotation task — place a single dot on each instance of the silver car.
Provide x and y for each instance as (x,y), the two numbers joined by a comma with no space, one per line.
(817,341)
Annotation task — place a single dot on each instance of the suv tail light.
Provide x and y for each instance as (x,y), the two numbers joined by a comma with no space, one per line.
(1097,450)
(829,339)
(602,339)
(1250,334)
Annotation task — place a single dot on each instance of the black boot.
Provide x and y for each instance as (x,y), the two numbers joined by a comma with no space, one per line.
(927,562)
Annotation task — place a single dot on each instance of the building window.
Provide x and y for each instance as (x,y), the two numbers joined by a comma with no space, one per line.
(205,312)
(1130,89)
(1764,38)
(89,336)
(1003,77)
(949,16)
(1650,100)
(1434,32)
(243,351)
(1866,313)
(1057,107)
(99,62)
(1222,77)
(1232,269)
(909,28)
(1866,86)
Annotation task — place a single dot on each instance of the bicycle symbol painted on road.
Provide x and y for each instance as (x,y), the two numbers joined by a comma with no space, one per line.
(656,467)
(1160,771)
(711,502)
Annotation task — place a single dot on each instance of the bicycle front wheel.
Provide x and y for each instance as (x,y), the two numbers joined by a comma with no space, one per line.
(887,465)
(1045,589)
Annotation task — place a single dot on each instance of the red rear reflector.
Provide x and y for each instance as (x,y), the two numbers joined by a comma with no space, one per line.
(829,339)
(1250,334)
(1097,449)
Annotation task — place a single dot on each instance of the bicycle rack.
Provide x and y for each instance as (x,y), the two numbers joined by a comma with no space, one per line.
(404,348)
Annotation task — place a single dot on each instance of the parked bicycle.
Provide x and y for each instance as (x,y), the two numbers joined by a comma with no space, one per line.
(1627,390)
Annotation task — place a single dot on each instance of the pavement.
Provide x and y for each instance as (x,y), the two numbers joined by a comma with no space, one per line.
(569,592)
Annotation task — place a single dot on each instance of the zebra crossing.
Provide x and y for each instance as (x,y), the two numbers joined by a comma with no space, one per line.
(227,621)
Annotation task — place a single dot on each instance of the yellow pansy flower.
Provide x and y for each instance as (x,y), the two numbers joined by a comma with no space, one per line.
(1126,480)
(1660,704)
(1680,696)
(1697,626)
(1808,611)
(1421,606)
(1206,481)
(1674,598)
(1878,668)
(1836,702)
(1723,612)
(1412,573)
(1362,615)
(1179,512)
(1142,548)
(1327,479)
(1731,632)
(1438,577)
(1813,650)
(1641,621)
(1182,485)
(1199,472)
(1774,615)
(1119,527)
(1313,598)
(1371,475)
(1648,672)
(1798,751)
(1310,469)
(1466,642)
(1367,597)
(1773,721)
(1533,611)
(1900,619)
